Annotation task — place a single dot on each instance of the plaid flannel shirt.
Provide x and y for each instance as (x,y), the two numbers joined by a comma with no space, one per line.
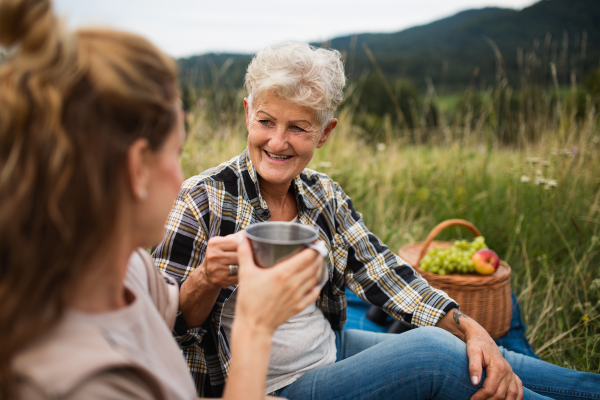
(226,199)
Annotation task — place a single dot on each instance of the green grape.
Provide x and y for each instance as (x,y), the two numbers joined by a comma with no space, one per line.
(453,259)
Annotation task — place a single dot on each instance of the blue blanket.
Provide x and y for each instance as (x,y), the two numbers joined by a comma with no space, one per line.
(514,340)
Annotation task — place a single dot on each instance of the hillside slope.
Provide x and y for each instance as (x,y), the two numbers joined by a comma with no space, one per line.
(565,32)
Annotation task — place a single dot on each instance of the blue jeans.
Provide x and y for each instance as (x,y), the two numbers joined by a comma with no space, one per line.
(425,363)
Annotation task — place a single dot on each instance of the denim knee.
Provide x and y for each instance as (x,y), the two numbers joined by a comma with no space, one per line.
(436,342)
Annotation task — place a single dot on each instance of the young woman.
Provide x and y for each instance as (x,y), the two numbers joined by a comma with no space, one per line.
(90,136)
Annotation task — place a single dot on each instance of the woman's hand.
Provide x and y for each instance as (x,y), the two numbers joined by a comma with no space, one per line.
(500,382)
(221,252)
(199,291)
(266,298)
(483,353)
(269,296)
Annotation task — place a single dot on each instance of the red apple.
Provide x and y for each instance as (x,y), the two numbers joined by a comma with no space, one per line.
(485,261)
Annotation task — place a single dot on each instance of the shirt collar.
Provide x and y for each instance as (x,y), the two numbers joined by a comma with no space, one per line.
(301,192)
(246,163)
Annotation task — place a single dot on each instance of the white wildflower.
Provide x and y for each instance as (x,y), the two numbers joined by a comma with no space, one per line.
(539,181)
(546,163)
(525,179)
(551,182)
(532,160)
(381,146)
(538,172)
(565,152)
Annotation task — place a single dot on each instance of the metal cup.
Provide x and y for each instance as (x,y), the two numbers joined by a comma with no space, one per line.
(273,242)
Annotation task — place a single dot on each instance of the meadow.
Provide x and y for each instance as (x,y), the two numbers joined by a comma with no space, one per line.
(535,197)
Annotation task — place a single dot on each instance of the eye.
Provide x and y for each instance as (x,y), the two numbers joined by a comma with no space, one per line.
(296,128)
(264,122)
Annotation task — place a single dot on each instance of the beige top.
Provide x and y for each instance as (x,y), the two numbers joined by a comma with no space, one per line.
(124,354)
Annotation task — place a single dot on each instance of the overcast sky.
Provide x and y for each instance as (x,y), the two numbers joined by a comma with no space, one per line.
(188,27)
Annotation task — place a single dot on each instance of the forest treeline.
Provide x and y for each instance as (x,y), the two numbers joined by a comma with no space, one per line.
(409,75)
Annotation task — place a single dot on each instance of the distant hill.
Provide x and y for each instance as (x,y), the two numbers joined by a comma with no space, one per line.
(565,32)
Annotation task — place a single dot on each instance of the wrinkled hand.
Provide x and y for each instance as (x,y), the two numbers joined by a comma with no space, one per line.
(221,252)
(500,381)
(270,296)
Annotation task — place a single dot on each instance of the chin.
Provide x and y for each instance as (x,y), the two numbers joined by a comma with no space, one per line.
(277,179)
(278,175)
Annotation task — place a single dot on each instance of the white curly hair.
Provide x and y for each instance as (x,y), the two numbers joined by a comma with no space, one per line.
(299,73)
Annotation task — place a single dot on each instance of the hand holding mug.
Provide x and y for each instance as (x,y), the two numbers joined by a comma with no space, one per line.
(220,264)
(270,296)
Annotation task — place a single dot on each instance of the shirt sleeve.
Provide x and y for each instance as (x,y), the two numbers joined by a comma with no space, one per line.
(382,278)
(183,248)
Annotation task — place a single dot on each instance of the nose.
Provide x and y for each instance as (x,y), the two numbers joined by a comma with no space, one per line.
(279,140)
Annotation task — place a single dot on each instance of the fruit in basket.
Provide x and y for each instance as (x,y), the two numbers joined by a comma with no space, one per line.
(485,261)
(454,259)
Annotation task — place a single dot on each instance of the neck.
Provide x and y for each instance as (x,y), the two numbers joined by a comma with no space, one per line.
(102,289)
(275,193)
(279,198)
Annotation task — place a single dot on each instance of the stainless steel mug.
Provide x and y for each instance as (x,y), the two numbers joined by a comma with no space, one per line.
(273,242)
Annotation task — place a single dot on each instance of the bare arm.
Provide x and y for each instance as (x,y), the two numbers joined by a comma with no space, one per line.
(483,354)
(197,298)
(250,348)
(267,297)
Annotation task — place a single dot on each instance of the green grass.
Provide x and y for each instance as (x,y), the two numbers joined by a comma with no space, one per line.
(548,234)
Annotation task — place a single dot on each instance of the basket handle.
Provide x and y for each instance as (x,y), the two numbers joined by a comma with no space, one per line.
(440,227)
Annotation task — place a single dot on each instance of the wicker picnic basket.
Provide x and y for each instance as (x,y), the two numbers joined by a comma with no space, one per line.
(486,299)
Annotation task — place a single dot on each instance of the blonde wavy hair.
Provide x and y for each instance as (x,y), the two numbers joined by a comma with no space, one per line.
(299,73)
(71,104)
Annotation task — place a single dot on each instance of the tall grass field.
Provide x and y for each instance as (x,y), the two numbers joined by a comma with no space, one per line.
(536,199)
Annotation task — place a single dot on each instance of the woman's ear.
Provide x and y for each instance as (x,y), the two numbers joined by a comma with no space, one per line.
(326,132)
(247,110)
(138,169)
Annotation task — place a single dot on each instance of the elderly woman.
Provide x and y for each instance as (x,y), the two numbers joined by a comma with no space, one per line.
(293,90)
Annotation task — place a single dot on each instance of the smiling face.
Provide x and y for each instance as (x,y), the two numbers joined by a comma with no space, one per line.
(282,138)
